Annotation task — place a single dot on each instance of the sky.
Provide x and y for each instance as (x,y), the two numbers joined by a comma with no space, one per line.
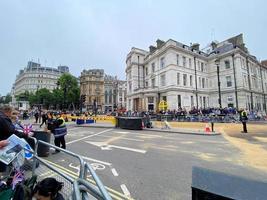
(87,34)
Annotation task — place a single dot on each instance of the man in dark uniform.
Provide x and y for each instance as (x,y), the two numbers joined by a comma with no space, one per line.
(59,132)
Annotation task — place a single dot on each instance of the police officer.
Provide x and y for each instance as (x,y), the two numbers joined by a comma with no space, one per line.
(243,119)
(59,132)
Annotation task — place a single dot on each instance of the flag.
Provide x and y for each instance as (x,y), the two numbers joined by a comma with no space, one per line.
(27,128)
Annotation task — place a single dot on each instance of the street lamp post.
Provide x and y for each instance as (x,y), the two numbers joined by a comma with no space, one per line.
(217,62)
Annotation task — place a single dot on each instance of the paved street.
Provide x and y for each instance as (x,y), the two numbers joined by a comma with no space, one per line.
(150,165)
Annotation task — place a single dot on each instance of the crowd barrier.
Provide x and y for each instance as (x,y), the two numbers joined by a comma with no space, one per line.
(205,118)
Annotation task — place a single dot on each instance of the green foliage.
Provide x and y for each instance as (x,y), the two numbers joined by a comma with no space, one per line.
(66,95)
(6,99)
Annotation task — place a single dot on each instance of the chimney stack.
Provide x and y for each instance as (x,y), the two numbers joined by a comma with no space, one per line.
(195,46)
(213,45)
(152,49)
(160,43)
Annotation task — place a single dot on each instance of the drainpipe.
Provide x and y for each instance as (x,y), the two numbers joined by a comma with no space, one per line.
(196,81)
(236,96)
(138,72)
(249,85)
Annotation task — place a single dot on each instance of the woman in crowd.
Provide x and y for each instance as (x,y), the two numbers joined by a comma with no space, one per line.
(48,189)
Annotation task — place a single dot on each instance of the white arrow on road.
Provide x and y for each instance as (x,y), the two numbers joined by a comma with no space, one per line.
(105,146)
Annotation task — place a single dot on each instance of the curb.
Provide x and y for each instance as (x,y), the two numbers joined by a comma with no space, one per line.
(160,130)
(183,132)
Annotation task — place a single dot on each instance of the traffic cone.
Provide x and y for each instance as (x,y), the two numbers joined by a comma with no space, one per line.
(207,129)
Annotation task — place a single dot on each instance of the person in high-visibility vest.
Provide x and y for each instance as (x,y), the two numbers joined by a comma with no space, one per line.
(243,119)
(60,132)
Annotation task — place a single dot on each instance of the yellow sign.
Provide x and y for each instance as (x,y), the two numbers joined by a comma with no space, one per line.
(163,105)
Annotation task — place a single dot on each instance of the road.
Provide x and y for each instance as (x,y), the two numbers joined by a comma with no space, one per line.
(149,165)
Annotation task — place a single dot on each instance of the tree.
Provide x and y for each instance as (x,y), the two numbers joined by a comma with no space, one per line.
(23,96)
(6,99)
(43,97)
(71,92)
(56,98)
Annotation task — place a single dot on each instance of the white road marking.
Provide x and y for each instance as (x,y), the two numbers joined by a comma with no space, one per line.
(131,139)
(88,136)
(97,166)
(114,172)
(75,167)
(123,132)
(105,146)
(125,190)
(98,161)
(128,149)
(138,134)
(80,133)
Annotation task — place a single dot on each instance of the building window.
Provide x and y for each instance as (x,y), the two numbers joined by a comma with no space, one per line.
(190,62)
(227,64)
(199,82)
(153,83)
(179,101)
(146,84)
(245,80)
(192,101)
(184,61)
(229,98)
(184,79)
(153,67)
(191,80)
(203,82)
(130,75)
(130,86)
(228,81)
(177,60)
(110,96)
(106,97)
(162,62)
(202,67)
(162,80)
(178,78)
(146,71)
(150,99)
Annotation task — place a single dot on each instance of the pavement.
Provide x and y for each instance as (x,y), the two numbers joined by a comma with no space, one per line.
(253,144)
(158,127)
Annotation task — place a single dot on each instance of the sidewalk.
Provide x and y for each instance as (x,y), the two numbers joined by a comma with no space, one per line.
(193,131)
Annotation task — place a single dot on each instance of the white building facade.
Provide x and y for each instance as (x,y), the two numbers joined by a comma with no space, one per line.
(35,77)
(224,75)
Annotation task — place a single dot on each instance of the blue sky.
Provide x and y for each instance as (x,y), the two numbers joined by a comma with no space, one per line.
(85,34)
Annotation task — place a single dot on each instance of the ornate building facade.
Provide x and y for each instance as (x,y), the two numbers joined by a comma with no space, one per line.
(108,91)
(115,94)
(224,74)
(35,77)
(92,86)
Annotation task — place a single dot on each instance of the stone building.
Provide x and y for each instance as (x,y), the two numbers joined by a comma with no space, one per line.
(115,94)
(92,86)
(35,77)
(224,74)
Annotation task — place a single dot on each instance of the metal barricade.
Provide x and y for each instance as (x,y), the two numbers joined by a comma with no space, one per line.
(76,185)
